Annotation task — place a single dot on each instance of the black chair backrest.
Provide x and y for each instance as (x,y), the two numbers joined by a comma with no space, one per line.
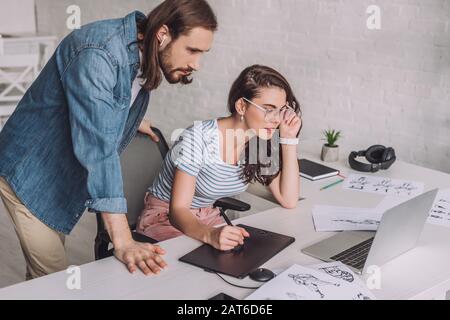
(141,162)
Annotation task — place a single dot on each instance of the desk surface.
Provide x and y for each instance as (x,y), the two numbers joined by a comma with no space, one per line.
(423,272)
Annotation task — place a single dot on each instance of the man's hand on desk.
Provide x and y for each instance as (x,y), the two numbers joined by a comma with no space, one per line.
(144,256)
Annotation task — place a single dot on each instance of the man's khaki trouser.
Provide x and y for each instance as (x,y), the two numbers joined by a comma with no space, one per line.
(42,246)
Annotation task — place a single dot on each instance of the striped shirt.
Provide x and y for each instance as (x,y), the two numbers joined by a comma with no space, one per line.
(197,153)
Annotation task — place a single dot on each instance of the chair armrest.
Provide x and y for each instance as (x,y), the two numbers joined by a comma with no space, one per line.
(231,204)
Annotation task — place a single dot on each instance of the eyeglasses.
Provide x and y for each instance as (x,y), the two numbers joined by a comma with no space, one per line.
(271,114)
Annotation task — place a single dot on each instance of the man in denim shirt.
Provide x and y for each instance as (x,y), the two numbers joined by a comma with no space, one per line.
(59,151)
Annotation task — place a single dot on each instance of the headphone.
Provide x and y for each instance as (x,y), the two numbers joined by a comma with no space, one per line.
(379,157)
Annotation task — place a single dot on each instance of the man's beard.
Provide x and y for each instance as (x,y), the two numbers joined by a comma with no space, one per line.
(168,70)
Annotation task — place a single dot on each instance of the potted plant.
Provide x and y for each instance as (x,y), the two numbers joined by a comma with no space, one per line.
(330,150)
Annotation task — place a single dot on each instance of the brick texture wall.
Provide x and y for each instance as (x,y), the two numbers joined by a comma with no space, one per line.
(389,86)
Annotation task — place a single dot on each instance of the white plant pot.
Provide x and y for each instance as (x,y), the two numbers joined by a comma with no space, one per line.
(330,154)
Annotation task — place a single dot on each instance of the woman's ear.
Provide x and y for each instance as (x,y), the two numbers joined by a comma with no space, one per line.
(240,107)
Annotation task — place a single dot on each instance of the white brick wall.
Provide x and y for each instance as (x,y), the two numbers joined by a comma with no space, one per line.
(390,86)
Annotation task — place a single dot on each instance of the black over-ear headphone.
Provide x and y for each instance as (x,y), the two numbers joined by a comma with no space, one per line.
(379,157)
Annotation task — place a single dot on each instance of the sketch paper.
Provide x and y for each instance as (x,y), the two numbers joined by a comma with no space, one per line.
(333,218)
(440,211)
(382,185)
(302,283)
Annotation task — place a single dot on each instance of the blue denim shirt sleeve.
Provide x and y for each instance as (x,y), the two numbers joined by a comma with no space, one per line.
(96,124)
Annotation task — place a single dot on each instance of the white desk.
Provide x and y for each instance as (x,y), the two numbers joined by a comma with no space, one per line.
(422,273)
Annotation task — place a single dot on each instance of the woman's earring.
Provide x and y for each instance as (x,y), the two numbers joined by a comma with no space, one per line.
(162,42)
(242,118)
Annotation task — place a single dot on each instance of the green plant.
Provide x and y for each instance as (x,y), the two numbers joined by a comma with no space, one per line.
(331,137)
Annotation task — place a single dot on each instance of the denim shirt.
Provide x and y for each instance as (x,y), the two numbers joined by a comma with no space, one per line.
(59,151)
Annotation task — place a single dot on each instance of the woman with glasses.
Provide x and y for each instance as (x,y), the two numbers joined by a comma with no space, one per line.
(218,158)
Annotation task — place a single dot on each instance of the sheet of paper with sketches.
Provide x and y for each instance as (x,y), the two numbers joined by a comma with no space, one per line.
(302,283)
(333,218)
(335,269)
(381,185)
(440,211)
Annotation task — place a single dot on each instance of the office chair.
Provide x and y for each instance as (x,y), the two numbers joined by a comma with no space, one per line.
(141,162)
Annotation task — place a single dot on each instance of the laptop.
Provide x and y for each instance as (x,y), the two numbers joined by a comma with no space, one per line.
(398,232)
(260,247)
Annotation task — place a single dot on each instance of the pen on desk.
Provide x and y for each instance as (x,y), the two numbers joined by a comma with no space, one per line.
(333,184)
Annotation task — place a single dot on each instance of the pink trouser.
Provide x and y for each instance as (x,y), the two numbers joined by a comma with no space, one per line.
(154,219)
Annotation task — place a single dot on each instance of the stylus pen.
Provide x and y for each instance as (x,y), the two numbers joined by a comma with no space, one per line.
(227,220)
(333,184)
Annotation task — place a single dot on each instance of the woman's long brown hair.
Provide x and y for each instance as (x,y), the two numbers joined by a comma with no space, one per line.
(180,16)
(248,85)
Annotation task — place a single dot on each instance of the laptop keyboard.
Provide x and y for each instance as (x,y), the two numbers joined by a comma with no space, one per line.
(355,256)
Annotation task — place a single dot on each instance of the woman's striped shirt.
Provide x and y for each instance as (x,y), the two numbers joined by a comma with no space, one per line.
(196,152)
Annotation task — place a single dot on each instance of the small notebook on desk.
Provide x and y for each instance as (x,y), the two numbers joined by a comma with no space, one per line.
(315,171)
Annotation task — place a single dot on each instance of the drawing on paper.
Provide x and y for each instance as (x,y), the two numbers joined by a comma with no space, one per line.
(294,296)
(405,188)
(441,210)
(336,272)
(361,296)
(365,221)
(312,283)
(359,183)
(319,282)
(383,185)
